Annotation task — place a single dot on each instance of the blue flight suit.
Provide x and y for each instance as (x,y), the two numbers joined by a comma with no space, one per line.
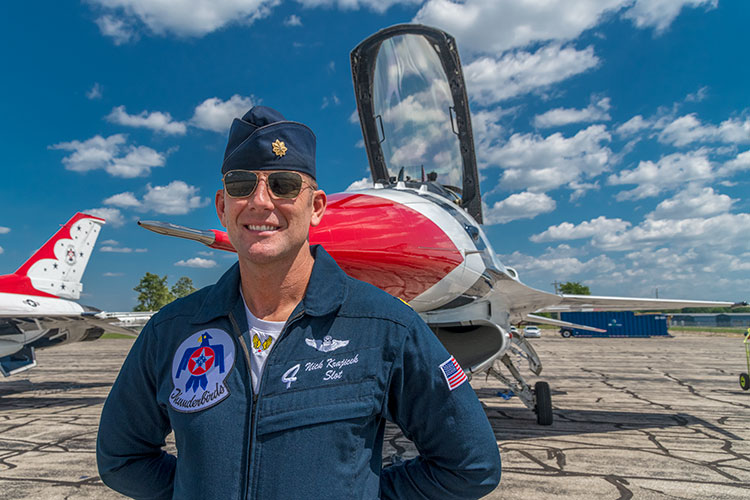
(349,358)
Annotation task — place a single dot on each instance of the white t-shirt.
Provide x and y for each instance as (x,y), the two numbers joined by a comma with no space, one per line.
(263,335)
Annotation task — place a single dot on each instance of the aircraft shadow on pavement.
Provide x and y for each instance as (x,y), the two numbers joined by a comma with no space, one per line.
(513,423)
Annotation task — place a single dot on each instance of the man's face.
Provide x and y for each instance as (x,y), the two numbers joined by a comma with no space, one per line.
(265,229)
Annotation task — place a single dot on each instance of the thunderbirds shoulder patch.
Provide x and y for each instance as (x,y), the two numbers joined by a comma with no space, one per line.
(199,368)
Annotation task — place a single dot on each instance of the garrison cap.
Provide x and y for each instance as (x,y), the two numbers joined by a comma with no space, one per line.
(264,140)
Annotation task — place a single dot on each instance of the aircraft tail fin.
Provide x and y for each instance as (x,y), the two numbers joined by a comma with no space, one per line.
(57,267)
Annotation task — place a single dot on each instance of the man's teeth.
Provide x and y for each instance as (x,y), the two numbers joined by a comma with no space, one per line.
(260,228)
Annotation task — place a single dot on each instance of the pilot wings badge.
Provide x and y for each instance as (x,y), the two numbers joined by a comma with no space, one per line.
(328,343)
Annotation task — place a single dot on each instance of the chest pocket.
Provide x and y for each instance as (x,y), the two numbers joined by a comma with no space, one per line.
(326,388)
(308,407)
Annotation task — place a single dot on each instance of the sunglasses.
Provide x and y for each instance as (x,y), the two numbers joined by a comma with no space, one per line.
(284,185)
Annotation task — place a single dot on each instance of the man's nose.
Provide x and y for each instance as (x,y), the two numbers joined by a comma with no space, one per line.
(261,198)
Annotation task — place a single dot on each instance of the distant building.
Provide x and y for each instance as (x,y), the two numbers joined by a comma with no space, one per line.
(711,319)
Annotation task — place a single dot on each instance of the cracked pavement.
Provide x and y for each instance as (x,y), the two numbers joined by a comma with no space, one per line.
(660,418)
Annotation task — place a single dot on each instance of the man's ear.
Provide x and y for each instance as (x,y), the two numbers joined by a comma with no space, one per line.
(220,208)
(319,202)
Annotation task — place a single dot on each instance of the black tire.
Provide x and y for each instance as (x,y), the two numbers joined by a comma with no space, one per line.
(744,381)
(543,408)
(566,334)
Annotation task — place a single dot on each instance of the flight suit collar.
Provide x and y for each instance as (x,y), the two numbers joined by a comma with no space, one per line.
(325,292)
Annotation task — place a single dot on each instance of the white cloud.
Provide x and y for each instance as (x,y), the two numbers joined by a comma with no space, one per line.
(4,230)
(668,173)
(581,188)
(485,127)
(494,26)
(363,183)
(110,242)
(536,163)
(136,163)
(695,201)
(376,5)
(524,205)
(196,262)
(156,121)
(664,259)
(491,80)
(633,126)
(123,200)
(740,263)
(687,129)
(594,112)
(328,101)
(112,155)
(112,216)
(112,275)
(95,92)
(669,254)
(684,130)
(119,30)
(724,231)
(719,231)
(738,164)
(206,253)
(560,263)
(2,250)
(586,229)
(217,115)
(498,25)
(180,17)
(697,96)
(675,270)
(91,154)
(113,249)
(659,14)
(293,20)
(176,198)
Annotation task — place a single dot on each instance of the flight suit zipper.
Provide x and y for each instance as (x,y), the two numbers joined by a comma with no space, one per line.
(254,411)
(249,382)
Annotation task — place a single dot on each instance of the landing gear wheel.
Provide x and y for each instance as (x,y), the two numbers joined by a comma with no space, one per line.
(744,381)
(543,408)
(566,334)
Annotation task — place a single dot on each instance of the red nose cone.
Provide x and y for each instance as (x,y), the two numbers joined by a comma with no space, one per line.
(385,243)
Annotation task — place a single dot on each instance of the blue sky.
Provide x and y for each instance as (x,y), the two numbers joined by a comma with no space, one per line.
(613,136)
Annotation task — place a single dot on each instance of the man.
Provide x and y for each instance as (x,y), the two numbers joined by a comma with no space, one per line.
(277,380)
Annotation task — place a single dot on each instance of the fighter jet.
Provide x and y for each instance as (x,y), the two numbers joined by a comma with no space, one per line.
(36,310)
(416,232)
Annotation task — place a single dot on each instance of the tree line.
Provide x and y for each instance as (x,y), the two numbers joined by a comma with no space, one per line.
(153,292)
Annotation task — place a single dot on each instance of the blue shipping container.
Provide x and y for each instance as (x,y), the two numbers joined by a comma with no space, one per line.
(617,324)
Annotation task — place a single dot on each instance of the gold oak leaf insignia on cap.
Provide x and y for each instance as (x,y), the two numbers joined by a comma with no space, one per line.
(279,148)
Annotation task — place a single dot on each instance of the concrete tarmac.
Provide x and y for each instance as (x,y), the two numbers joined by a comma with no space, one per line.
(634,418)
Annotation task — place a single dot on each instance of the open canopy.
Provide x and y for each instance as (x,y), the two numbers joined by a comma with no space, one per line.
(414,112)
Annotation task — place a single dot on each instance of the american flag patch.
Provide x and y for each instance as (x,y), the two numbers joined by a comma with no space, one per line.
(453,373)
